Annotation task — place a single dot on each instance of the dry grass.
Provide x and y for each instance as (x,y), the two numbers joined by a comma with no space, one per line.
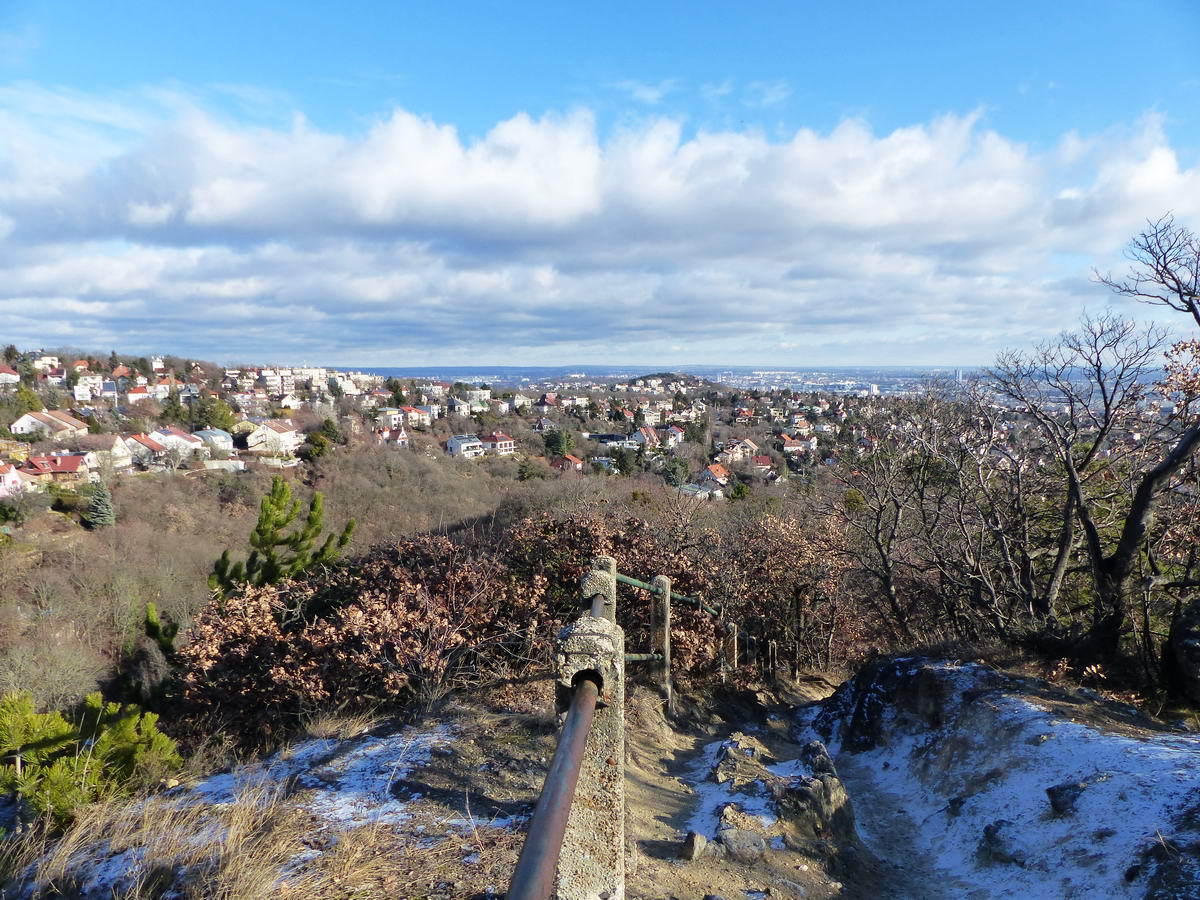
(340,726)
(235,850)
(257,847)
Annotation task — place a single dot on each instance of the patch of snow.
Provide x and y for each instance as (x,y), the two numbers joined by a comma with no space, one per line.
(995,762)
(712,796)
(348,783)
(351,780)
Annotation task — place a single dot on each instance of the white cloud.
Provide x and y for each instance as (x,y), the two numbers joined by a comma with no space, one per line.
(764,94)
(649,94)
(147,220)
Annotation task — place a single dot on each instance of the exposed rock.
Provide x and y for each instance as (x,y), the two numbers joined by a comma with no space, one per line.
(732,815)
(693,845)
(816,807)
(908,687)
(744,846)
(1000,843)
(817,758)
(741,763)
(1063,796)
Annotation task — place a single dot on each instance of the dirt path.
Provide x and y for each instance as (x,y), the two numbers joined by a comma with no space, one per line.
(664,766)
(904,872)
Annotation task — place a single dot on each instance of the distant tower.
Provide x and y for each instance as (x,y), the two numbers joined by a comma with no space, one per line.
(958,375)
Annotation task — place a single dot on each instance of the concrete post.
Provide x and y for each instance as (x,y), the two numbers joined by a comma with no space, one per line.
(660,638)
(729,650)
(602,579)
(591,865)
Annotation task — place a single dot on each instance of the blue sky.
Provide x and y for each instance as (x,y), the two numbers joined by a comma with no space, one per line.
(404,184)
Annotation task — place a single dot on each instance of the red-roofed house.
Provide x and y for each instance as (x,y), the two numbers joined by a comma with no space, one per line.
(762,464)
(568,463)
(9,377)
(69,468)
(499,443)
(416,418)
(716,474)
(646,436)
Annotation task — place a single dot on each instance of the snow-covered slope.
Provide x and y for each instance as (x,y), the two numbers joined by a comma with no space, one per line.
(951,768)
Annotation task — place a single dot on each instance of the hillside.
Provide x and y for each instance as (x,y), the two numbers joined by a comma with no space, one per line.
(944,770)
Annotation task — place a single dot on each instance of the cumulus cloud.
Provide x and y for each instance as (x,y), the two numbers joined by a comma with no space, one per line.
(149,221)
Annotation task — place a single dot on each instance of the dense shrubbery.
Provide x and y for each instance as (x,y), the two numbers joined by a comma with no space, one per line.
(401,623)
(409,621)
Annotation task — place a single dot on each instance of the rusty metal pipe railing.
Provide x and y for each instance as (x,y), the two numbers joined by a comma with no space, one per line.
(533,879)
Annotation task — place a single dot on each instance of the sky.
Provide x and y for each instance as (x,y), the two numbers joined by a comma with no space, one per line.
(388,184)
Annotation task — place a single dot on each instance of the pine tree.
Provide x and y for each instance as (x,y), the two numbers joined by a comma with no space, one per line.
(274,553)
(173,410)
(28,400)
(162,633)
(100,510)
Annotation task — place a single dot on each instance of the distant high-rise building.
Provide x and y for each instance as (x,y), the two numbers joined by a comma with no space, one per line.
(958,374)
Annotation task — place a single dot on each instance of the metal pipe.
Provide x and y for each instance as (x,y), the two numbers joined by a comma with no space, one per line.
(642,657)
(691,601)
(533,878)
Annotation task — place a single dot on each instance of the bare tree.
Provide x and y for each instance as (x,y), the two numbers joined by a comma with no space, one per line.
(1165,268)
(1085,393)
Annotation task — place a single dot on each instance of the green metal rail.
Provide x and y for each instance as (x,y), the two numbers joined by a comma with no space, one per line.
(691,601)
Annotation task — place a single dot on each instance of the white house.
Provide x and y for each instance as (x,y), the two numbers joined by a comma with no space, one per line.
(393,437)
(137,394)
(106,451)
(144,449)
(9,377)
(13,481)
(416,418)
(277,438)
(499,443)
(52,423)
(467,446)
(389,417)
(672,436)
(459,407)
(177,439)
(216,439)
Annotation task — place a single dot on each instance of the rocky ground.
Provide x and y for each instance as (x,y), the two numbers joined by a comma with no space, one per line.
(982,784)
(916,779)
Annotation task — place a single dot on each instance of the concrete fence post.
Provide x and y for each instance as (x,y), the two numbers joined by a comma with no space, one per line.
(729,650)
(660,637)
(591,865)
(602,579)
